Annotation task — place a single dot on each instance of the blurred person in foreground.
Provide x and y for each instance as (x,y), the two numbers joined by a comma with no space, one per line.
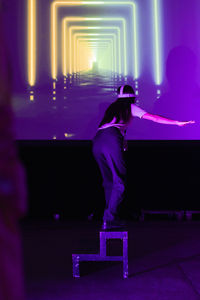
(12,188)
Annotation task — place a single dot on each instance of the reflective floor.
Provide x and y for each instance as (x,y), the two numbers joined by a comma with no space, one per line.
(69,108)
(72,107)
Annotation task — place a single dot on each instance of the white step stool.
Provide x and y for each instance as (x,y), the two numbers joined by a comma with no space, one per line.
(104,236)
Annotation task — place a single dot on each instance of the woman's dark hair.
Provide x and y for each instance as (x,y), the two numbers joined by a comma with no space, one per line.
(121,108)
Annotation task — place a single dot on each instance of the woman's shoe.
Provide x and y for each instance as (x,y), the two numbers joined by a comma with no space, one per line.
(115,224)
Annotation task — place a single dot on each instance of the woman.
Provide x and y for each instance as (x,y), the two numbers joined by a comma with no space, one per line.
(108,148)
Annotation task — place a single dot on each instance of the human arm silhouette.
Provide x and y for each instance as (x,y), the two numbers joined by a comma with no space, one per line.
(166,121)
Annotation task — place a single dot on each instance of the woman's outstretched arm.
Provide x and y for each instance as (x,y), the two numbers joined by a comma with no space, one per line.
(162,120)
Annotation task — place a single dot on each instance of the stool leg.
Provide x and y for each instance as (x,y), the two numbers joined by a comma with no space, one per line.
(125,257)
(75,261)
(188,215)
(102,244)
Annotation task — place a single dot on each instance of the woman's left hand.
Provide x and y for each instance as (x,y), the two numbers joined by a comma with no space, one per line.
(185,123)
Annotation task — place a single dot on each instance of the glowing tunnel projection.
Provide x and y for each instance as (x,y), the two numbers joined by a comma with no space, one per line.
(31,55)
(96,46)
(98,28)
(105,58)
(99,40)
(95,42)
(76,51)
(31,29)
(65,38)
(106,52)
(103,46)
(157,41)
(62,3)
(102,35)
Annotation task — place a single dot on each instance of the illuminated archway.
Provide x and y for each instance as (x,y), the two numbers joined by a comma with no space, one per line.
(112,35)
(68,20)
(57,4)
(101,40)
(105,61)
(32,45)
(98,28)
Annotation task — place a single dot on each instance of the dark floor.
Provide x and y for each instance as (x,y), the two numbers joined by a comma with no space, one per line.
(164,261)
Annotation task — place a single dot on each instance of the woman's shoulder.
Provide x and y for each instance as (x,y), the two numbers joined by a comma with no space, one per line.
(137,111)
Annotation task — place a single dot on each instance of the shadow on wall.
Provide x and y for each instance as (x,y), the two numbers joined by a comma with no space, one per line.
(182,100)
